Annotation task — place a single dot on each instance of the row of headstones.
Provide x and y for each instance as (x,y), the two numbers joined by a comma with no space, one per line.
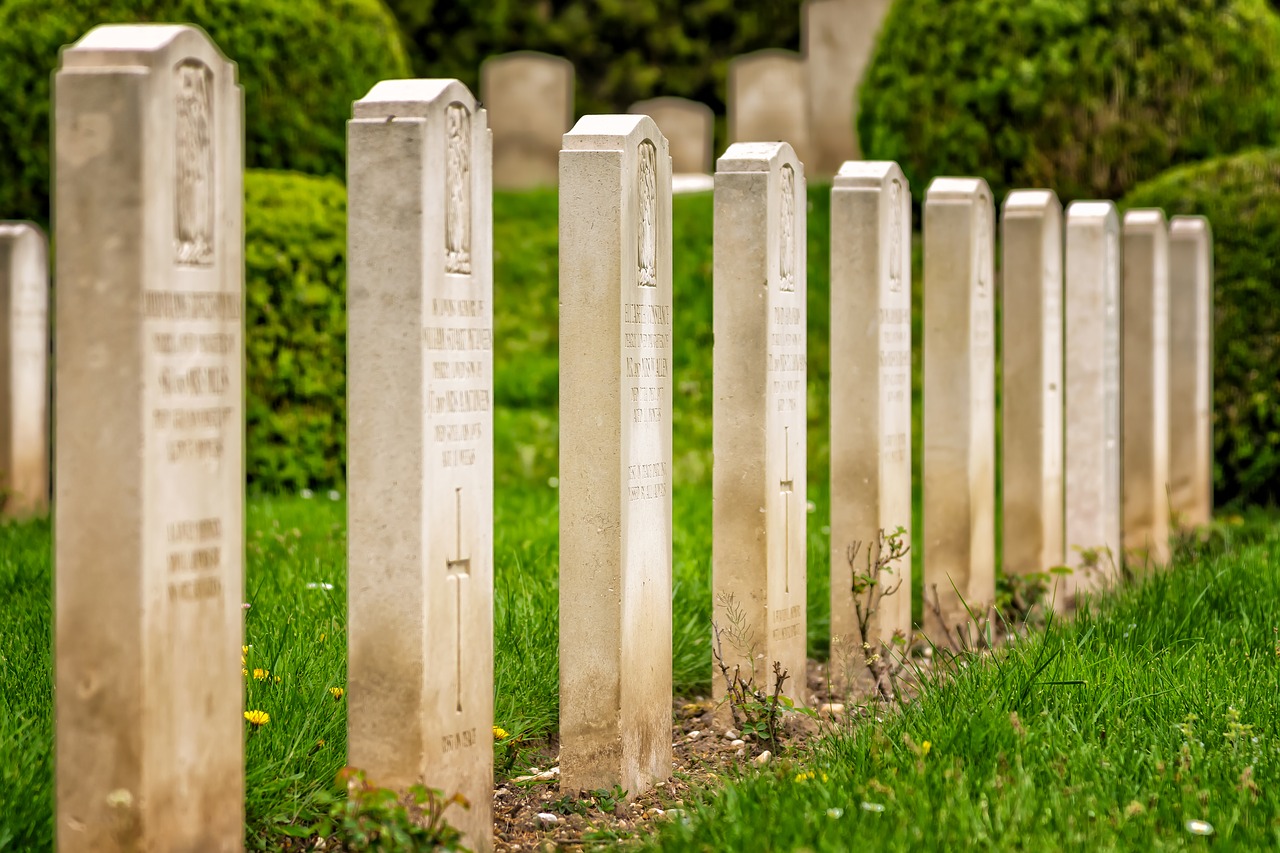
(807,99)
(149,395)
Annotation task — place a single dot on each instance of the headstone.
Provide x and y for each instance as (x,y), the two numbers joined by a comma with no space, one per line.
(530,98)
(768,99)
(688,126)
(24,370)
(1191,370)
(839,37)
(1032,373)
(615,455)
(1092,400)
(1144,425)
(758,478)
(420,444)
(870,403)
(149,500)
(959,403)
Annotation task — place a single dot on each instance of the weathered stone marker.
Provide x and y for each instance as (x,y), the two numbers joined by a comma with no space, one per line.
(759,506)
(529,96)
(959,402)
(149,543)
(870,401)
(1031,276)
(839,37)
(688,126)
(24,370)
(1191,370)
(1144,480)
(768,99)
(1092,399)
(615,455)
(420,457)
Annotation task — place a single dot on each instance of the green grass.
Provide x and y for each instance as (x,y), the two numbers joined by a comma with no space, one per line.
(1152,708)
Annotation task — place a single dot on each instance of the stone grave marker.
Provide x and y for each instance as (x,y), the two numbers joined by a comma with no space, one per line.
(870,403)
(615,455)
(768,99)
(688,126)
(1144,425)
(839,37)
(529,96)
(1191,370)
(959,403)
(1031,287)
(24,370)
(420,443)
(1092,399)
(758,478)
(149,494)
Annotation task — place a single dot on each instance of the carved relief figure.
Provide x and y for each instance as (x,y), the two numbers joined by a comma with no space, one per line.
(647,245)
(457,220)
(787,228)
(895,237)
(194,191)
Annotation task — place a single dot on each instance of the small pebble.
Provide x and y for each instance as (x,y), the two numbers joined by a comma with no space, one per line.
(832,708)
(730,734)
(738,742)
(695,734)
(548,818)
(742,753)
(763,758)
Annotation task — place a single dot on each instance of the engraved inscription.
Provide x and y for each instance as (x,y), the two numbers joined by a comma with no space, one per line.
(787,231)
(194,189)
(458,740)
(647,196)
(646,359)
(895,236)
(457,221)
(985,245)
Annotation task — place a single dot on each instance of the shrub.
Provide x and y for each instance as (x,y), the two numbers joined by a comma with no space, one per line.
(301,63)
(296,330)
(1089,97)
(1241,197)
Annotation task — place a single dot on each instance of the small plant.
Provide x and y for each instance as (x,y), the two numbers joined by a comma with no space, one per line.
(756,710)
(379,819)
(870,588)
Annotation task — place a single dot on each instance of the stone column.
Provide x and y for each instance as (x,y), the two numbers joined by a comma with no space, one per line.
(1092,401)
(769,99)
(1031,285)
(420,443)
(688,126)
(759,506)
(1145,389)
(1191,370)
(870,406)
(615,455)
(24,370)
(149,502)
(959,403)
(530,97)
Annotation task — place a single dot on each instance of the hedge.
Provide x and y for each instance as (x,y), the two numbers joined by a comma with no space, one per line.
(1241,197)
(301,63)
(1089,97)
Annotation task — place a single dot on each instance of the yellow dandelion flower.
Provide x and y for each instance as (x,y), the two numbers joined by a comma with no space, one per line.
(336,693)
(261,674)
(244,650)
(245,673)
(926,746)
(500,733)
(320,742)
(257,718)
(804,777)
(278,679)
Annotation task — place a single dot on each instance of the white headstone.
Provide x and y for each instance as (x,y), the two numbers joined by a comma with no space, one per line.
(529,97)
(688,127)
(769,99)
(1191,370)
(24,370)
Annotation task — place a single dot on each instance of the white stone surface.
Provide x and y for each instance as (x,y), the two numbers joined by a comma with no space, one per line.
(1191,370)
(769,99)
(688,126)
(24,370)
(529,98)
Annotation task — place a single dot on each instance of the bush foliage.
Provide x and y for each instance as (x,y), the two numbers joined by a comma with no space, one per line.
(1241,197)
(1089,97)
(301,63)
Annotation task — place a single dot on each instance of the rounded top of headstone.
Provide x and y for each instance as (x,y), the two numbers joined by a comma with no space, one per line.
(1145,219)
(1189,227)
(956,189)
(494,63)
(768,55)
(1030,201)
(758,157)
(140,44)
(868,174)
(609,132)
(21,230)
(411,98)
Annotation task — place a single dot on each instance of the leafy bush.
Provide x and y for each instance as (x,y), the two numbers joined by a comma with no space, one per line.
(296,330)
(301,62)
(1241,197)
(1086,96)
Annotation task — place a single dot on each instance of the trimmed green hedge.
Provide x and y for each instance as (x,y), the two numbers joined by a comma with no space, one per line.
(1089,97)
(1241,197)
(301,62)
(296,330)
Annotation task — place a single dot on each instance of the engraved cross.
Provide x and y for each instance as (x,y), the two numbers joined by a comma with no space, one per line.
(457,569)
(787,486)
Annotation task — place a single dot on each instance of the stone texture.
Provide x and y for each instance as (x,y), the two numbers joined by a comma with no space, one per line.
(529,96)
(24,370)
(870,399)
(1031,287)
(149,495)
(688,126)
(959,402)
(759,505)
(1092,401)
(615,455)
(768,99)
(1191,370)
(420,443)
(839,37)
(1144,426)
